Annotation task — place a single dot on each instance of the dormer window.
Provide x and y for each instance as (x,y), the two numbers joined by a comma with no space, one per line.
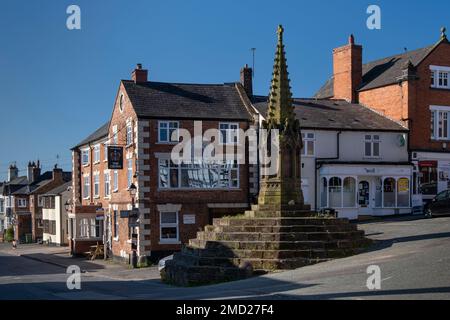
(440,77)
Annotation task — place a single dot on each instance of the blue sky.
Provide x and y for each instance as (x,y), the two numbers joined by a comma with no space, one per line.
(57,85)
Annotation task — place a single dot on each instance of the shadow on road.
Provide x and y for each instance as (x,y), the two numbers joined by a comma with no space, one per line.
(383,244)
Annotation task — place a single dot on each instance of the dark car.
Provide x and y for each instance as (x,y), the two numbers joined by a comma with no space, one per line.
(440,205)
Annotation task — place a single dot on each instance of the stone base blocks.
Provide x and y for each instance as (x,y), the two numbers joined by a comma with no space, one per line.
(265,239)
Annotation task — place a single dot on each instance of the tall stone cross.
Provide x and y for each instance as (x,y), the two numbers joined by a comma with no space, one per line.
(283,189)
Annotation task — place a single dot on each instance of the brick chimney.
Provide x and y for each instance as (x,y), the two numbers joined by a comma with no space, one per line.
(347,71)
(57,174)
(247,80)
(139,75)
(13,172)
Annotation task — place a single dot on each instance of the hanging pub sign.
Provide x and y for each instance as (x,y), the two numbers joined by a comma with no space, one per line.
(115,157)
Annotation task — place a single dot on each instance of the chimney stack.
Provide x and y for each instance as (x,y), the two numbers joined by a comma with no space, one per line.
(13,172)
(139,75)
(33,171)
(57,174)
(347,71)
(247,80)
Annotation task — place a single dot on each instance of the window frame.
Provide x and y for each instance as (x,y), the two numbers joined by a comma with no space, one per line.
(86,195)
(372,141)
(115,186)
(96,185)
(129,134)
(96,152)
(169,225)
(306,139)
(439,121)
(229,135)
(439,75)
(167,129)
(85,157)
(107,184)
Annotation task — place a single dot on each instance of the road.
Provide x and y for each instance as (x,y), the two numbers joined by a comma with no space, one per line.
(413,255)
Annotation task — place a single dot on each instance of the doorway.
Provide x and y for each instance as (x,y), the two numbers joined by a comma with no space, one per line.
(364,199)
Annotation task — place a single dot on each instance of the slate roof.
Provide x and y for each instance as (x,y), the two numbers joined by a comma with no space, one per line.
(44,179)
(58,190)
(335,114)
(381,72)
(186,101)
(98,134)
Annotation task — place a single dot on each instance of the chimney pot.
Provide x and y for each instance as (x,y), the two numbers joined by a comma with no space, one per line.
(351,39)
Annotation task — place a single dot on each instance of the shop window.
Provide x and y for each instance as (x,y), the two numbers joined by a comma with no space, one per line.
(389,193)
(428,177)
(349,193)
(403,193)
(335,192)
(323,193)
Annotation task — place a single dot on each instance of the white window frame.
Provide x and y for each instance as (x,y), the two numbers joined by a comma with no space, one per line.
(169,225)
(86,186)
(115,181)
(116,224)
(115,138)
(307,139)
(84,228)
(129,134)
(105,151)
(22,203)
(436,73)
(85,156)
(96,185)
(167,128)
(437,111)
(231,133)
(107,183)
(129,172)
(372,142)
(97,153)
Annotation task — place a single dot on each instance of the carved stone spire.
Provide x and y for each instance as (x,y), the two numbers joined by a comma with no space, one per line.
(283,188)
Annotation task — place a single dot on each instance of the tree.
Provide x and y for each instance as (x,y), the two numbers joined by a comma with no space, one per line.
(9,234)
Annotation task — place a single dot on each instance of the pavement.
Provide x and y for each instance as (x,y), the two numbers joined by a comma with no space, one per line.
(413,255)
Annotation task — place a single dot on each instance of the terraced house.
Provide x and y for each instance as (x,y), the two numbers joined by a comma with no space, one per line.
(413,88)
(173,200)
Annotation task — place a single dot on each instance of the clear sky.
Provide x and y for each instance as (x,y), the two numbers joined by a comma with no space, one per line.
(58,85)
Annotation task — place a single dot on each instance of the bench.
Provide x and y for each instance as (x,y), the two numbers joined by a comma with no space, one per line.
(95,252)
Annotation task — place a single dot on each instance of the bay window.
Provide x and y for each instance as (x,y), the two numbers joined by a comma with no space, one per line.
(198,175)
(335,192)
(389,191)
(349,192)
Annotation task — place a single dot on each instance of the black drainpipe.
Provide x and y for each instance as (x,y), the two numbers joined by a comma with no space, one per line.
(317,167)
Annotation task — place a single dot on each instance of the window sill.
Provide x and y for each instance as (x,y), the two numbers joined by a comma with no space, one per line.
(116,239)
(129,145)
(167,143)
(97,162)
(440,88)
(86,165)
(168,242)
(373,158)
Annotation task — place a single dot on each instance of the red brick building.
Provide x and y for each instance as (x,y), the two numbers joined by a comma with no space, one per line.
(412,88)
(174,201)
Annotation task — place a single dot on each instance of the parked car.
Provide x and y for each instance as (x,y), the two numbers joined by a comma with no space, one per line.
(440,205)
(162,263)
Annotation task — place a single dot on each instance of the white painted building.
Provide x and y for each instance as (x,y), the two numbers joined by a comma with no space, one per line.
(354,159)
(54,215)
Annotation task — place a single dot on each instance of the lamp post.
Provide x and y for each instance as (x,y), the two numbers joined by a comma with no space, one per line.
(132,189)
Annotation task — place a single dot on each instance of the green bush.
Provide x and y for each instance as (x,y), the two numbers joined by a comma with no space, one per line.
(9,234)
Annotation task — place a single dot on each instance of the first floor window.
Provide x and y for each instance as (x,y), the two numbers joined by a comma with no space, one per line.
(107,184)
(168,226)
(229,133)
(97,153)
(116,181)
(86,186)
(22,203)
(96,185)
(105,151)
(308,143)
(168,131)
(129,134)
(372,146)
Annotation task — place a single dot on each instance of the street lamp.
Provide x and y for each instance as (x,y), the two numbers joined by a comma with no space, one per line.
(67,205)
(133,190)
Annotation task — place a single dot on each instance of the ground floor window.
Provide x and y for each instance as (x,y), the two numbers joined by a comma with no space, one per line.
(84,228)
(169,231)
(389,192)
(428,173)
(334,192)
(349,192)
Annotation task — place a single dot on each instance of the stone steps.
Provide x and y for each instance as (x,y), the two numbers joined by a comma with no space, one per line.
(277,229)
(278,245)
(281,236)
(278,221)
(319,253)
